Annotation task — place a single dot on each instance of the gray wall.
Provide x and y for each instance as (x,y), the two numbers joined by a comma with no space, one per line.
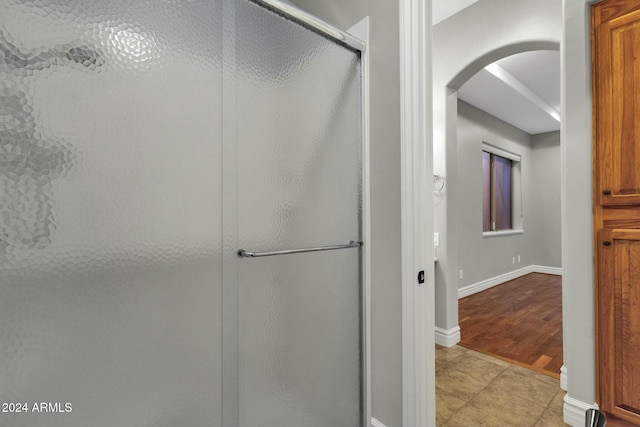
(485,257)
(386,303)
(546,199)
(481,257)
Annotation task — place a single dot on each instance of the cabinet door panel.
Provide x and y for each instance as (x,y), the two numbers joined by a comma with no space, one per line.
(619,323)
(617,109)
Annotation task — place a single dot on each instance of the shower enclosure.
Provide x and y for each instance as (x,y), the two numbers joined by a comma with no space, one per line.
(180,215)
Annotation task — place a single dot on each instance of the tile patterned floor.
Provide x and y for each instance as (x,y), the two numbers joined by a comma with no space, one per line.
(475,390)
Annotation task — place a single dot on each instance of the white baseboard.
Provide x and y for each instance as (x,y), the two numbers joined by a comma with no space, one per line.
(574,411)
(563,377)
(376,423)
(546,270)
(448,337)
(498,280)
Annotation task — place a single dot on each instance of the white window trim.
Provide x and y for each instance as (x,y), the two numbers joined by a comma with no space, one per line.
(501,152)
(501,233)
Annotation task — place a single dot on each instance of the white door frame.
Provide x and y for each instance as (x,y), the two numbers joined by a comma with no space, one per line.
(418,324)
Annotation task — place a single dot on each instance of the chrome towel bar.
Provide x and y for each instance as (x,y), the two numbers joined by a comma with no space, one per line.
(244,254)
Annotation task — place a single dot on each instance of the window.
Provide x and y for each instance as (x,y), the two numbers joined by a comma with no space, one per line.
(498,178)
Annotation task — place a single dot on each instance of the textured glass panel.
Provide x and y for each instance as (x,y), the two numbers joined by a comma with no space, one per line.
(110,219)
(299,138)
(299,346)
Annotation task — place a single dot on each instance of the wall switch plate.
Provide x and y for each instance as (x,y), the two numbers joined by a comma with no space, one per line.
(460,274)
(436,239)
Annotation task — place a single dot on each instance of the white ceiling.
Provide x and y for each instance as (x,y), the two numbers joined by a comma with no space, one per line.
(442,9)
(523,89)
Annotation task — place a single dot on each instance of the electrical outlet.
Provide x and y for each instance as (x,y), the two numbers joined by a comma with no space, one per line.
(513,260)
(460,274)
(436,239)
(518,258)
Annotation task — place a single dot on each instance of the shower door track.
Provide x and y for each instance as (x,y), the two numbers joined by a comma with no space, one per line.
(315,24)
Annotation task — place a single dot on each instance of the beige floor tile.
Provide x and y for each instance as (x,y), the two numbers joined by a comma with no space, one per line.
(515,410)
(557,404)
(446,406)
(551,419)
(492,359)
(470,416)
(528,386)
(537,375)
(473,389)
(480,369)
(458,384)
(443,364)
(448,353)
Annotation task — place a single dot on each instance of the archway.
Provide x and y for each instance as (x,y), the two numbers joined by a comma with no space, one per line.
(464,44)
(445,207)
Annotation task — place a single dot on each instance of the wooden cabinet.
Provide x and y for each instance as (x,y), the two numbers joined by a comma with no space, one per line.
(619,323)
(616,191)
(616,49)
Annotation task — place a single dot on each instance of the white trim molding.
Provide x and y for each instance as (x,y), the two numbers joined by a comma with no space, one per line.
(418,322)
(563,377)
(574,411)
(447,337)
(500,152)
(501,233)
(376,423)
(502,278)
(546,270)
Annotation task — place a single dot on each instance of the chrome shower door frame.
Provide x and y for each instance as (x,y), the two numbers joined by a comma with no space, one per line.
(232,255)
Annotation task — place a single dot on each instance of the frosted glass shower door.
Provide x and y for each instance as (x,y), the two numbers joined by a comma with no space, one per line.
(110,213)
(142,143)
(298,98)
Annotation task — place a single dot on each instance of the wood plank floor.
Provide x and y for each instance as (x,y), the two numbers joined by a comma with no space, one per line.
(519,321)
